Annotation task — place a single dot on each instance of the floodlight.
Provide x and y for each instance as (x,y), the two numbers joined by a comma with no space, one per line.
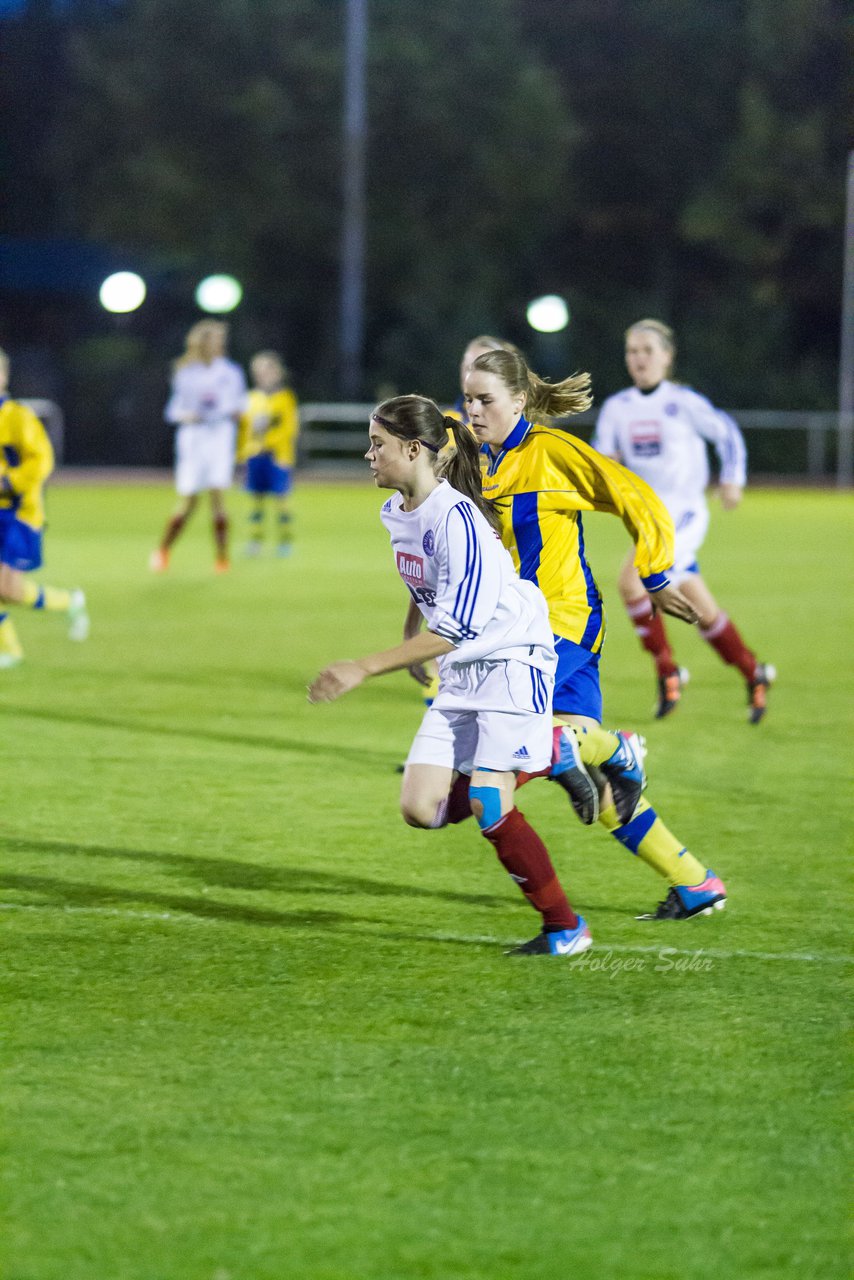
(548,314)
(121,292)
(218,294)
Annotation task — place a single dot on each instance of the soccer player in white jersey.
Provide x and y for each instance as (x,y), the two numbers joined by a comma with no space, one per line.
(208,395)
(489,632)
(659,429)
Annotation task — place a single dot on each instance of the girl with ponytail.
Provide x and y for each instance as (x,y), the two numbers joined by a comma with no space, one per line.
(541,479)
(490,633)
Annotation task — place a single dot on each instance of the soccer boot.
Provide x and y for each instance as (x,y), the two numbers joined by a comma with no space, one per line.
(569,770)
(563,942)
(9,660)
(158,561)
(625,774)
(222,564)
(684,901)
(78,617)
(757,691)
(670,691)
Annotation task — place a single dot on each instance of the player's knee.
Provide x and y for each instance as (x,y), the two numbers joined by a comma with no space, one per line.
(485,805)
(424,811)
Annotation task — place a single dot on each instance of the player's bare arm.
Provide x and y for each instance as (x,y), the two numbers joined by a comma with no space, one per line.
(339,678)
(412,624)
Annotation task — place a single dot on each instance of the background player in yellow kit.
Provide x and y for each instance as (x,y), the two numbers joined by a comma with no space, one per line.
(267,442)
(542,479)
(26,461)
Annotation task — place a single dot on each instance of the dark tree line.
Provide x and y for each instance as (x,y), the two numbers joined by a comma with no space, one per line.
(663,157)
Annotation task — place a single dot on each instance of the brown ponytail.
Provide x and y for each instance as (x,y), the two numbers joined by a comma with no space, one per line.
(462,469)
(417,418)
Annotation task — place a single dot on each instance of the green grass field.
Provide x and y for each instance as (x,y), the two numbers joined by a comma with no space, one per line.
(257,1028)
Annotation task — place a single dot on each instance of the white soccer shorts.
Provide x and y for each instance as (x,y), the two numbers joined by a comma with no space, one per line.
(691,525)
(488,715)
(204,457)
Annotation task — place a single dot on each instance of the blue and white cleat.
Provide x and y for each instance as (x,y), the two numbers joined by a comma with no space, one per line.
(685,900)
(569,770)
(626,774)
(564,942)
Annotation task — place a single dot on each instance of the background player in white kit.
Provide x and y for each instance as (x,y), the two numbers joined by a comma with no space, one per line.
(659,430)
(491,634)
(208,395)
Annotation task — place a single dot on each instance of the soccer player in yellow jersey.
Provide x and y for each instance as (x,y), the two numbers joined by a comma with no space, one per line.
(542,478)
(26,461)
(267,442)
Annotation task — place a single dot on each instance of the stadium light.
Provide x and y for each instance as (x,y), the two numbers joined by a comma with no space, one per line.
(548,314)
(219,294)
(121,292)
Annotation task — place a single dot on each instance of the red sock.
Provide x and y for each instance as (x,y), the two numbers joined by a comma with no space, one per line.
(723,636)
(459,805)
(524,856)
(220,528)
(649,628)
(173,528)
(522,777)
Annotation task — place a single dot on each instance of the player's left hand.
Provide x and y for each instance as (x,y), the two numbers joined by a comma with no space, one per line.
(671,600)
(420,674)
(336,680)
(730,495)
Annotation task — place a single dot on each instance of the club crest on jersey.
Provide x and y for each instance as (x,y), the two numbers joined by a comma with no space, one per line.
(410,568)
(428,542)
(671,409)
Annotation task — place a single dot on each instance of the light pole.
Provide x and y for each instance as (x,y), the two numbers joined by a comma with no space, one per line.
(845,456)
(352,307)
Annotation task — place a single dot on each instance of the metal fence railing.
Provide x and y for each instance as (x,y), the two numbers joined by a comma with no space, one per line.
(54,424)
(814,445)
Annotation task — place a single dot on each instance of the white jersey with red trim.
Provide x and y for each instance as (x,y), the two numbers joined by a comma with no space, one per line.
(463,581)
(213,393)
(661,435)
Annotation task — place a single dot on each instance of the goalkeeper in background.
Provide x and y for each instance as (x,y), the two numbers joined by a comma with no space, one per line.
(26,461)
(267,440)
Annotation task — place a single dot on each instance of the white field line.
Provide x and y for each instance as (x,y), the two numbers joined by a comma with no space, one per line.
(711,953)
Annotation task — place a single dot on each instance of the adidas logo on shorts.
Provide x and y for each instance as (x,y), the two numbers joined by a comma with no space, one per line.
(521,754)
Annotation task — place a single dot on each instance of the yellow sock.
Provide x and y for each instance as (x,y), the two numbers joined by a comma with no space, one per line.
(9,642)
(56,599)
(646,836)
(595,745)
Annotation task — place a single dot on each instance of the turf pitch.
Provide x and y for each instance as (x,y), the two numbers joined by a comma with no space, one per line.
(257,1028)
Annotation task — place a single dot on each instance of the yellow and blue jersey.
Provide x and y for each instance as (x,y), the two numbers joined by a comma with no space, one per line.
(26,461)
(277,416)
(542,480)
